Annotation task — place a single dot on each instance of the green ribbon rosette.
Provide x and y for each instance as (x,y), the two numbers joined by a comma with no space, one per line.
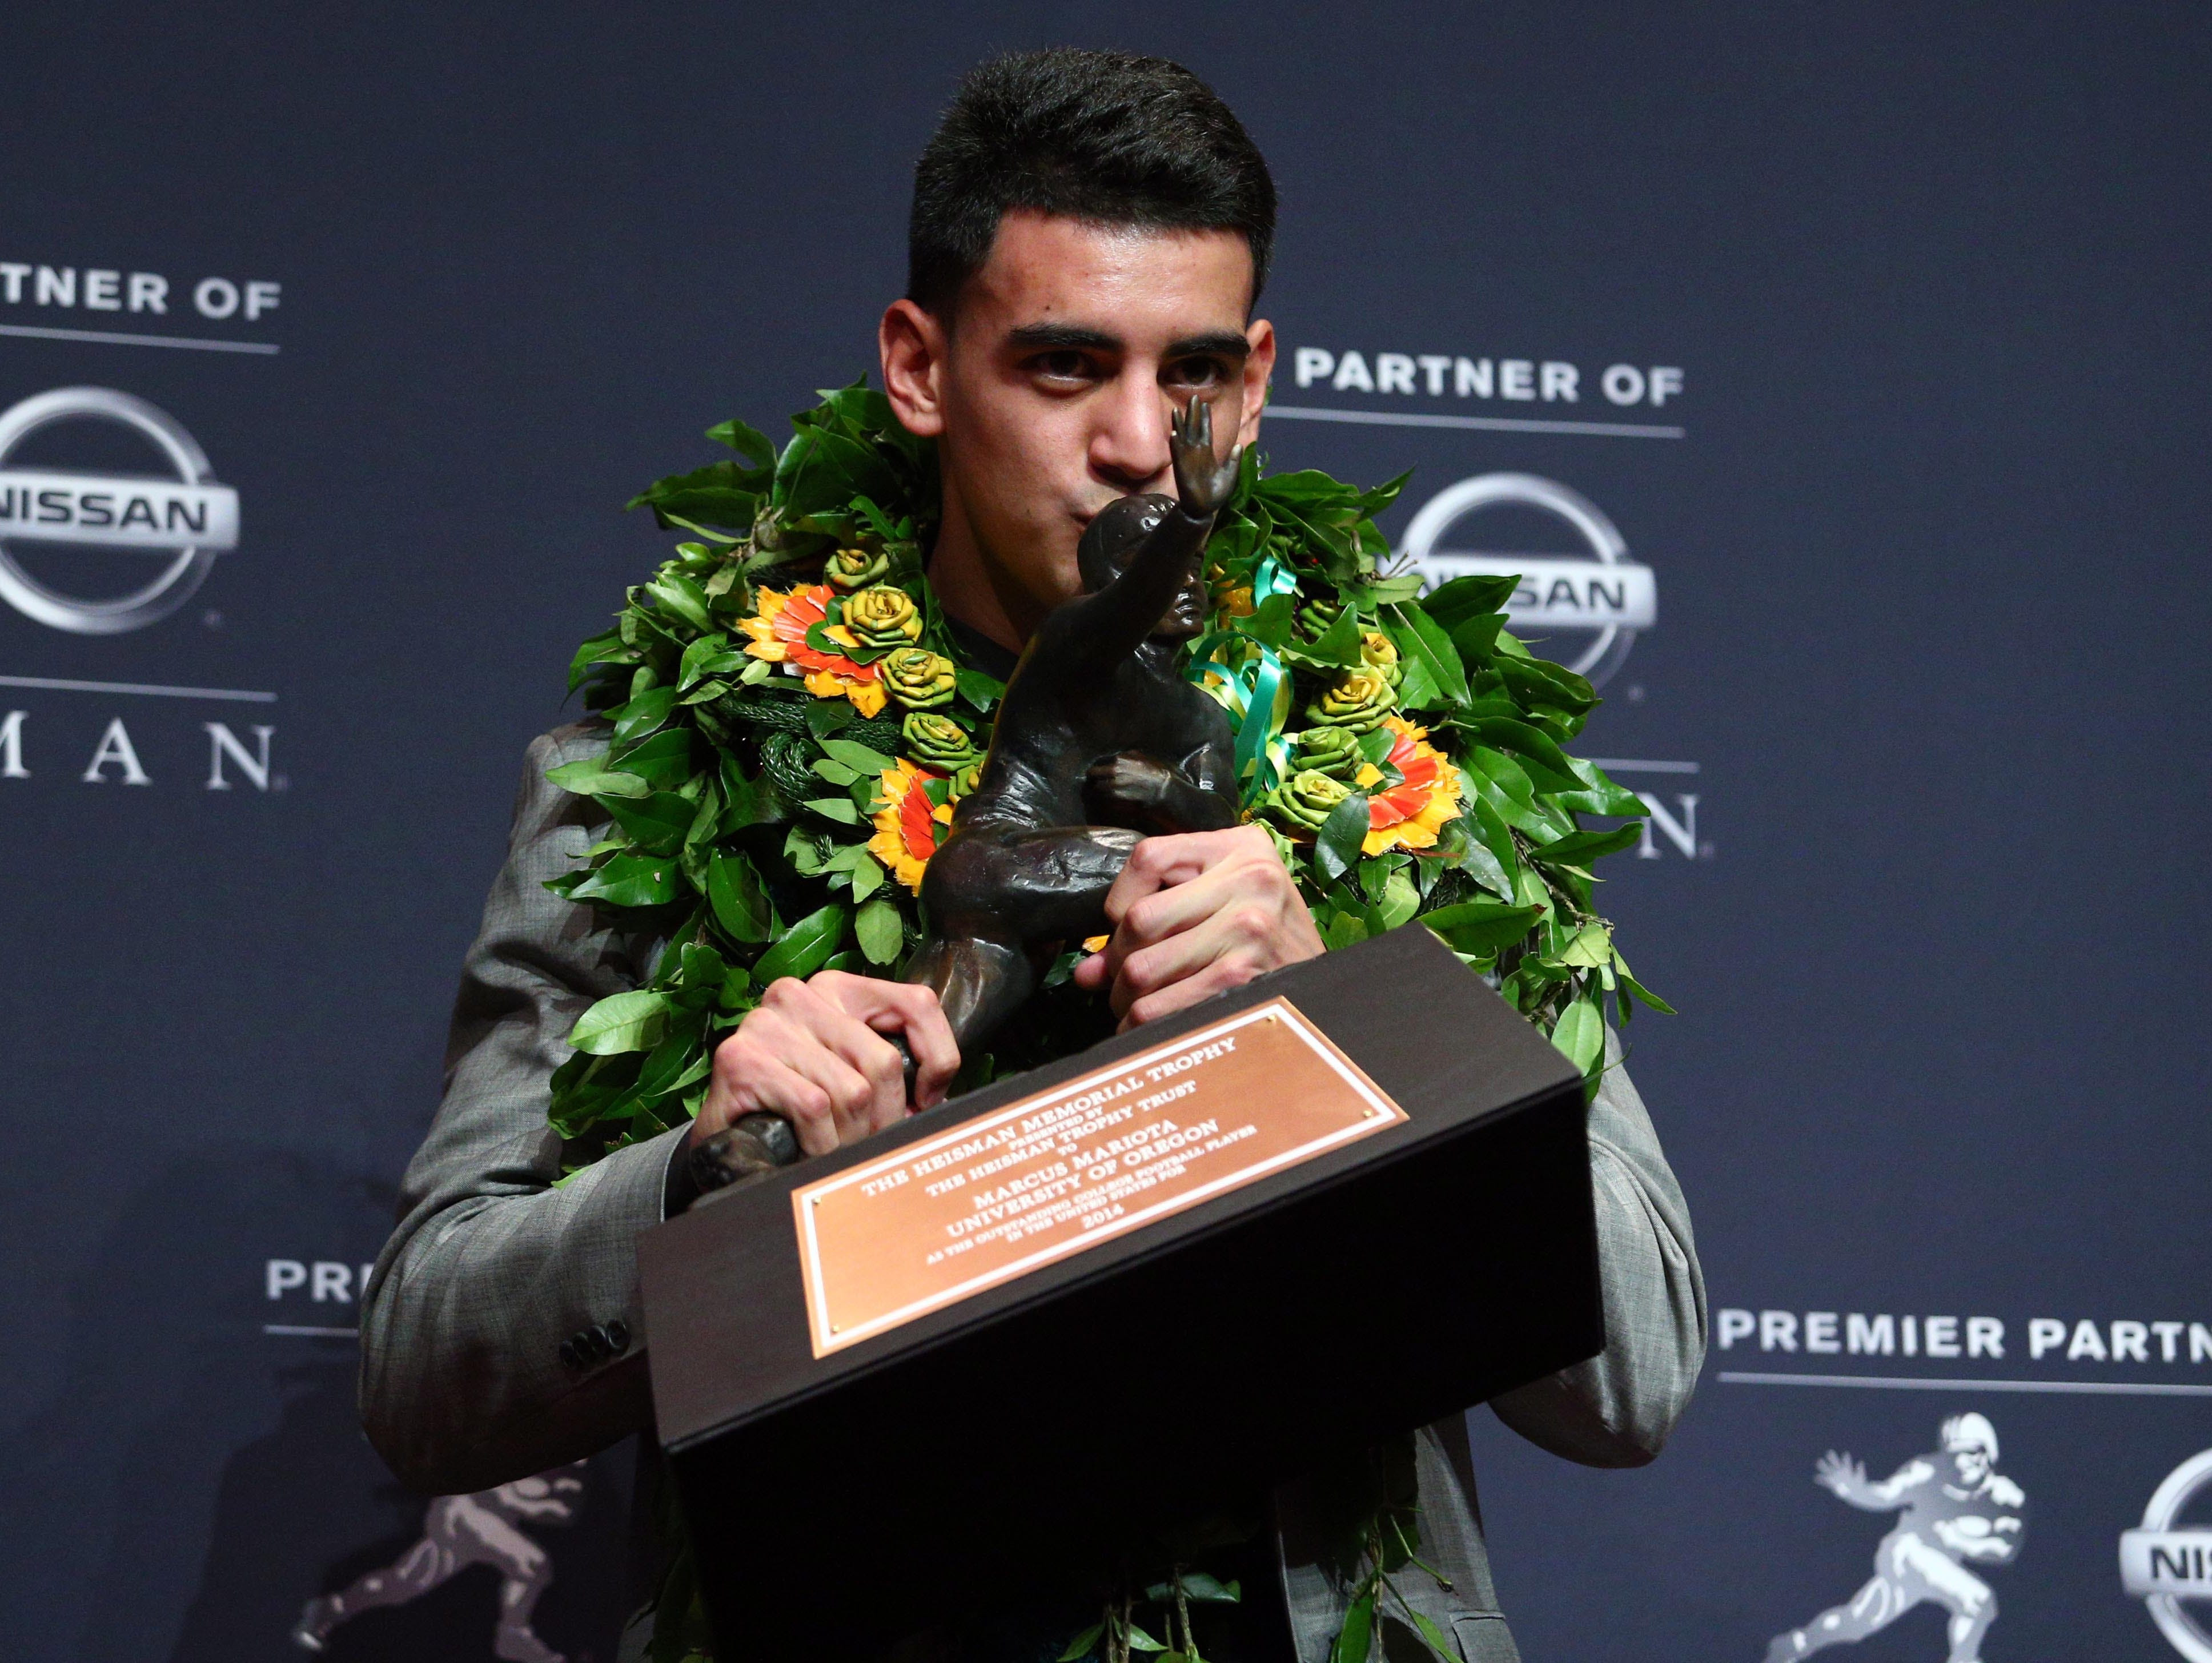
(937,742)
(883,618)
(1380,654)
(1316,618)
(918,679)
(1356,701)
(1301,802)
(848,570)
(1334,751)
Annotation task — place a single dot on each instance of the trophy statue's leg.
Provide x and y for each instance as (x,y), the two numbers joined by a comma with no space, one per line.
(979,983)
(997,896)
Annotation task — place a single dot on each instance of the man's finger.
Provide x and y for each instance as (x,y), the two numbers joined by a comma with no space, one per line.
(911,1011)
(1092,973)
(798,1046)
(876,1060)
(929,1039)
(1234,876)
(772,1086)
(1159,863)
(1168,912)
(869,1056)
(1162,963)
(1192,889)
(1231,970)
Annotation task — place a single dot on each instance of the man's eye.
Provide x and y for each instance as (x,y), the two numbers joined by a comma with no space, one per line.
(1195,372)
(1061,365)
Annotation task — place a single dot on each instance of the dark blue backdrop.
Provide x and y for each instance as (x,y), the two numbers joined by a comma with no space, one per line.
(1926,521)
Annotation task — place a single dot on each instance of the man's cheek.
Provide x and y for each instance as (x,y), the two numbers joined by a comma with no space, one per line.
(1000,476)
(1028,466)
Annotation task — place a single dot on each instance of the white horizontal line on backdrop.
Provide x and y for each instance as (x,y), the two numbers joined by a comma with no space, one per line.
(118,338)
(1909,1383)
(1630,765)
(1478,423)
(52,684)
(297,1331)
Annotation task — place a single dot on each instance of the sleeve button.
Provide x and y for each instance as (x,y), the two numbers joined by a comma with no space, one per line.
(618,1333)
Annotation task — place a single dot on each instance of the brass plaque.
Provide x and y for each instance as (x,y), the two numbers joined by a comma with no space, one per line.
(995,1198)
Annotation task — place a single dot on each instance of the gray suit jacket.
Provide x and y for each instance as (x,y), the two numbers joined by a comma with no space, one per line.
(492,1269)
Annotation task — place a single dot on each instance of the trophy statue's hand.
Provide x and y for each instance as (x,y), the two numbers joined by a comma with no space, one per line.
(1839,1474)
(1130,779)
(1139,792)
(1204,480)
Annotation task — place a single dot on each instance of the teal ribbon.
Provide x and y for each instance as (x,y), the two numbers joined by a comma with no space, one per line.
(1270,579)
(1254,686)
(1259,753)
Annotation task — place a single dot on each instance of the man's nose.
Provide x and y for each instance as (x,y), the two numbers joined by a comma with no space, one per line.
(1129,438)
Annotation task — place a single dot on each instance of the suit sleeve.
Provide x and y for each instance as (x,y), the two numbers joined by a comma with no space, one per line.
(463,1382)
(1617,1409)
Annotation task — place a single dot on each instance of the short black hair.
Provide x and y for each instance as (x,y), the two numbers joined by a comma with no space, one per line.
(1106,136)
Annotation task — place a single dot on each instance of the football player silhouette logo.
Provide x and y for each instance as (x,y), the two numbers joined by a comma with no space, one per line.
(1955,1509)
(458,1531)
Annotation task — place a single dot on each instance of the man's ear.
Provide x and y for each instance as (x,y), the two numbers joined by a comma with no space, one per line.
(1259,365)
(913,345)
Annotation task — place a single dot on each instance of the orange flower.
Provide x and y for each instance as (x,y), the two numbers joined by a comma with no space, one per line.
(1410,814)
(779,635)
(906,826)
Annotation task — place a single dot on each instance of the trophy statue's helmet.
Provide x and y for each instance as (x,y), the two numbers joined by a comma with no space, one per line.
(1113,534)
(1971,1431)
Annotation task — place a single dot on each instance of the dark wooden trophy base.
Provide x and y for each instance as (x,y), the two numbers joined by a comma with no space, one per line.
(841,1491)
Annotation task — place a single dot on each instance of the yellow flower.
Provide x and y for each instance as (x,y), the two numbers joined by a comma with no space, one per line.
(778,629)
(906,826)
(1410,814)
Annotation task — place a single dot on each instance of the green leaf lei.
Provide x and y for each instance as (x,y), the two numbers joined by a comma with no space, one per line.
(792,723)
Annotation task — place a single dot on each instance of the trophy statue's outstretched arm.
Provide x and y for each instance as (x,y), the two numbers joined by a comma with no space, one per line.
(1104,628)
(1002,893)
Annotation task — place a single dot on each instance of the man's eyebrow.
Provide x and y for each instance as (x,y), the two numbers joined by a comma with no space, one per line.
(1061,338)
(1219,343)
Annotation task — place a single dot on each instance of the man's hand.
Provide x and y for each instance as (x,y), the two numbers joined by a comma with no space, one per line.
(1195,915)
(814,1051)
